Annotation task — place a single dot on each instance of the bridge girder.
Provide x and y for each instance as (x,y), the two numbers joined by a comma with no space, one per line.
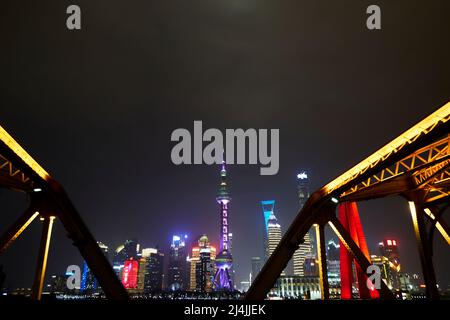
(416,161)
(48,199)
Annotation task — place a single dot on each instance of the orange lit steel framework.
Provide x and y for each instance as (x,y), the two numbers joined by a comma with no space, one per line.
(415,165)
(48,200)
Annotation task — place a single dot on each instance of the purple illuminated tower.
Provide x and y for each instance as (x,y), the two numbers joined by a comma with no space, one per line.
(224,260)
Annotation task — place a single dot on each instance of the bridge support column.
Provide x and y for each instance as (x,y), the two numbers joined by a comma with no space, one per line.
(321,254)
(424,246)
(36,291)
(359,256)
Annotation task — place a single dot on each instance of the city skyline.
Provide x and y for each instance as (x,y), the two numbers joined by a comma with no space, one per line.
(242,273)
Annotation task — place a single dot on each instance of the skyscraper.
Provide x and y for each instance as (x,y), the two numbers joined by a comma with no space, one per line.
(305,249)
(273,229)
(224,260)
(154,270)
(177,273)
(389,249)
(333,269)
(130,273)
(273,234)
(89,283)
(202,266)
(267,208)
(388,274)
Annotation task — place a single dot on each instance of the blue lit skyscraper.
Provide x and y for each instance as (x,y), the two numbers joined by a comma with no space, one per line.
(89,283)
(268,212)
(267,207)
(177,273)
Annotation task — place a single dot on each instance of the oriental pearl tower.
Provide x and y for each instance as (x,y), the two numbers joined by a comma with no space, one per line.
(224,260)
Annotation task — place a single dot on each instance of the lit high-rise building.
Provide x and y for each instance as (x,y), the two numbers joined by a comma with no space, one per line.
(89,283)
(151,272)
(334,269)
(130,273)
(305,249)
(273,234)
(202,266)
(223,279)
(267,208)
(272,237)
(389,249)
(388,274)
(141,275)
(177,273)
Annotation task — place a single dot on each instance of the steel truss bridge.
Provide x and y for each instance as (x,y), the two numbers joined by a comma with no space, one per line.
(415,166)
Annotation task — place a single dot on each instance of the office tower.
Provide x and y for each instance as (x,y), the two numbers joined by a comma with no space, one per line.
(389,249)
(256,268)
(202,266)
(88,280)
(388,274)
(141,275)
(332,250)
(268,213)
(305,249)
(152,262)
(268,209)
(333,269)
(302,188)
(130,273)
(89,283)
(273,235)
(127,250)
(224,260)
(176,276)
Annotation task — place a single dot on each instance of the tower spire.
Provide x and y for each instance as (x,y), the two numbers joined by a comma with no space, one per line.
(224,260)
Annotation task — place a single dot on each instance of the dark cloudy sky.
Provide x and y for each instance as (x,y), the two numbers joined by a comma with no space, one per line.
(96,108)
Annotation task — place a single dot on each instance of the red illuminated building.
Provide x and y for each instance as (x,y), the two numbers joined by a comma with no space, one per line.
(130,274)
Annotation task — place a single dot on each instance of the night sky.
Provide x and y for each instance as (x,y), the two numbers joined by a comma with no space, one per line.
(96,108)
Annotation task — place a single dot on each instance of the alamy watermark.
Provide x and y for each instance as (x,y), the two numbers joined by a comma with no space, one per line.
(238,145)
(74,277)
(374,277)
